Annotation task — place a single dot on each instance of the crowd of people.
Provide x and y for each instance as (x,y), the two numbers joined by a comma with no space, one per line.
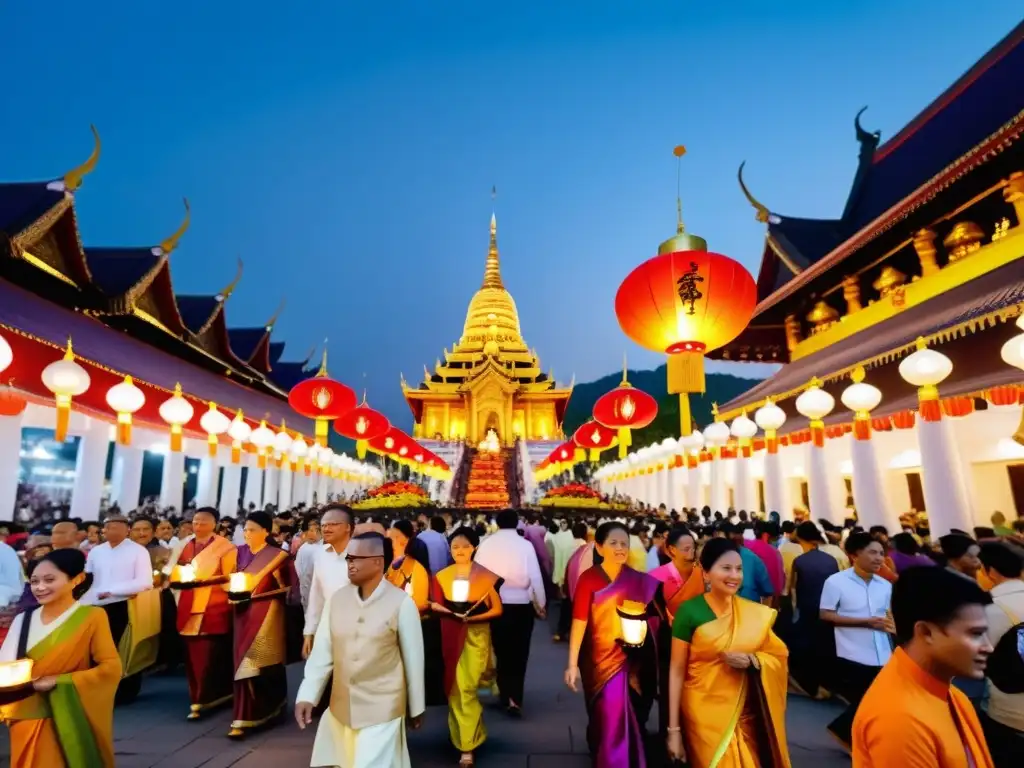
(685,631)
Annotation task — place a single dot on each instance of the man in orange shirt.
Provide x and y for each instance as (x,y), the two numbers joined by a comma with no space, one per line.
(911,717)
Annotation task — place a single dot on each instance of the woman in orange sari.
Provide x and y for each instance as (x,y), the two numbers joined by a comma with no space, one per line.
(404,572)
(728,674)
(261,687)
(68,720)
(465,637)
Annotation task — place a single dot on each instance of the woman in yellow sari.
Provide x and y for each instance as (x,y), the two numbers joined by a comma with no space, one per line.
(728,674)
(68,720)
(465,596)
(404,572)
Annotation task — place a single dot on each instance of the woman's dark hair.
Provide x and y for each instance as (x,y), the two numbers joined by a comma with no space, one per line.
(70,562)
(579,530)
(604,530)
(675,534)
(404,527)
(262,519)
(713,550)
(905,544)
(467,533)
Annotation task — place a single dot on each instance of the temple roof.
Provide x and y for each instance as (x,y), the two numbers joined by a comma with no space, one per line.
(246,341)
(276,350)
(22,204)
(197,311)
(116,271)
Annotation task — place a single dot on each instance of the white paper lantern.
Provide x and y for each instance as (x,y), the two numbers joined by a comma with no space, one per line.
(176,411)
(814,402)
(716,434)
(743,427)
(925,367)
(125,399)
(6,354)
(770,417)
(215,424)
(66,379)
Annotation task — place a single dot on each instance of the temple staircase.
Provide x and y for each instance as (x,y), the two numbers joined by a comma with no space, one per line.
(487,484)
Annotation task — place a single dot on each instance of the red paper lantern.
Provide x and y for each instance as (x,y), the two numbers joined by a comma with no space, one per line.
(362,424)
(11,403)
(624,409)
(321,398)
(685,302)
(594,437)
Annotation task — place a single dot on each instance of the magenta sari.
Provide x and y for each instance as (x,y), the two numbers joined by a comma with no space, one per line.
(620,686)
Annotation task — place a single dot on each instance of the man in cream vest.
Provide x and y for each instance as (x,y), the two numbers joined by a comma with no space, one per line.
(370,638)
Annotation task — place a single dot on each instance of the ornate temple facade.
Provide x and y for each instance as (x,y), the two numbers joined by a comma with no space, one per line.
(490,380)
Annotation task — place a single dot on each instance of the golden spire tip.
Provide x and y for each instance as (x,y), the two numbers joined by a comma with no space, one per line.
(73,178)
(168,245)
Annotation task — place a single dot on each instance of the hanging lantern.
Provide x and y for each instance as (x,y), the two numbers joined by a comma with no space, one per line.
(632,623)
(624,409)
(1012,351)
(297,453)
(65,379)
(362,424)
(815,403)
(176,411)
(6,354)
(215,424)
(125,399)
(716,434)
(861,398)
(263,438)
(239,432)
(11,403)
(282,444)
(770,418)
(743,429)
(926,369)
(321,398)
(594,438)
(684,302)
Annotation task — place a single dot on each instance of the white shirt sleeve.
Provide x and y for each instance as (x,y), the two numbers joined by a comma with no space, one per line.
(315,606)
(830,594)
(410,640)
(141,569)
(12,577)
(9,651)
(320,663)
(536,579)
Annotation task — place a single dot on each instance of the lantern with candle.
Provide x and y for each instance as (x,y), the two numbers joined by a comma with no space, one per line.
(239,587)
(65,379)
(460,594)
(362,424)
(632,623)
(183,576)
(624,409)
(176,411)
(15,680)
(684,302)
(594,438)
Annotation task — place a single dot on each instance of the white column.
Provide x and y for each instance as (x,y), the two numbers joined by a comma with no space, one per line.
(695,490)
(206,482)
(284,486)
(270,484)
(309,488)
(230,490)
(775,496)
(868,495)
(664,485)
(253,483)
(676,492)
(90,470)
(128,469)
(172,482)
(743,485)
(717,499)
(818,486)
(10,449)
(942,479)
(323,486)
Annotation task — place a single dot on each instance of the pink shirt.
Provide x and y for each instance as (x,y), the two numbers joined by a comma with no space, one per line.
(772,559)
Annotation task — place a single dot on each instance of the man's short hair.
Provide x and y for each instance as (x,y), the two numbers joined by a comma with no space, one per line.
(337,507)
(998,557)
(935,595)
(212,511)
(855,542)
(507,519)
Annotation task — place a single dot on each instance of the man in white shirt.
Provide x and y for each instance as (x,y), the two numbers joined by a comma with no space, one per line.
(306,556)
(1003,714)
(856,602)
(514,559)
(370,640)
(121,569)
(12,575)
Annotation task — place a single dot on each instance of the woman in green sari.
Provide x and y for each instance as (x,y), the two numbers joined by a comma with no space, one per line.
(68,719)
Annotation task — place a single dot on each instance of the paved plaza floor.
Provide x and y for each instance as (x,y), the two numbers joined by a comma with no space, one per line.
(153,732)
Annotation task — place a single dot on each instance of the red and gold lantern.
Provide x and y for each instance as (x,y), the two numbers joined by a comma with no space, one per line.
(594,437)
(11,403)
(322,399)
(684,302)
(624,409)
(362,424)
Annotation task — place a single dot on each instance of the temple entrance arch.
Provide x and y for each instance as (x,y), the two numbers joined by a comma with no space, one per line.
(492,420)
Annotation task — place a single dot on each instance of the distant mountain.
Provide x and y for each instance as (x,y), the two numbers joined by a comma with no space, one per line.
(721,388)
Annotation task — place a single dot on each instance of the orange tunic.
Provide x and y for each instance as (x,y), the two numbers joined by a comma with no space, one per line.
(910,719)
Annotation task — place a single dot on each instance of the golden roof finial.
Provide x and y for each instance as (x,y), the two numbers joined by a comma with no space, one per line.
(323,364)
(814,383)
(168,245)
(492,270)
(858,374)
(273,318)
(69,353)
(763,214)
(73,178)
(714,410)
(226,293)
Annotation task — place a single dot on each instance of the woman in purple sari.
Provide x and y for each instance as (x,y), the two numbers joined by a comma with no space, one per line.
(620,683)
(260,687)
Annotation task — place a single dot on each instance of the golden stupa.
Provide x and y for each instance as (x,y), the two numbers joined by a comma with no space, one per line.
(490,381)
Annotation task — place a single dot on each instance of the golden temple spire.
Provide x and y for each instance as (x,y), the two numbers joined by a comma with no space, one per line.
(226,293)
(269,325)
(761,213)
(171,242)
(492,271)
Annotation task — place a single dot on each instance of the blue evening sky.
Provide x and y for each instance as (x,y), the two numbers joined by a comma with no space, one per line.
(346,150)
